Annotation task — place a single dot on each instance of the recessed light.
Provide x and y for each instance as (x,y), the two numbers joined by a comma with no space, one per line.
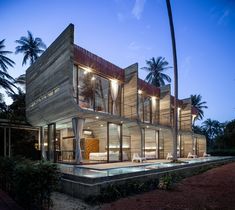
(97,117)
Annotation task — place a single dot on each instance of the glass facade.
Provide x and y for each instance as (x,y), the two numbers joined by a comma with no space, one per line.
(145,110)
(94,92)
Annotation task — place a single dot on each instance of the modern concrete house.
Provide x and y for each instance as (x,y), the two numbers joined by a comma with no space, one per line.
(92,111)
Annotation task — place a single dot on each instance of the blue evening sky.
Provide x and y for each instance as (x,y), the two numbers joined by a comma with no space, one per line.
(128,31)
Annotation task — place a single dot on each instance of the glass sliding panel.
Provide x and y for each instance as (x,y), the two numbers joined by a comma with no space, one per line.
(141,107)
(150,144)
(161,144)
(101,94)
(114,142)
(86,85)
(147,109)
(67,144)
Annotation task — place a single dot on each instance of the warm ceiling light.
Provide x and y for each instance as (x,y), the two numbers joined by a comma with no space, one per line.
(147,126)
(86,70)
(101,125)
(140,91)
(92,78)
(97,117)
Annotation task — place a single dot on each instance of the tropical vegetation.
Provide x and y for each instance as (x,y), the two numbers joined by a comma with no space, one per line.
(199,105)
(156,68)
(31,48)
(6,81)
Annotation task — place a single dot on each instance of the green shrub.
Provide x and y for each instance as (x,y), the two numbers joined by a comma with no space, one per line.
(7,166)
(30,183)
(34,184)
(165,182)
(113,192)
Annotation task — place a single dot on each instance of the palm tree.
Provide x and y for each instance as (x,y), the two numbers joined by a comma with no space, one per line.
(3,106)
(199,105)
(175,124)
(21,80)
(5,61)
(30,47)
(213,128)
(6,81)
(156,67)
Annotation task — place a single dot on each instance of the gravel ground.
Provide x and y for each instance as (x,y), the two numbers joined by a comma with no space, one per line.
(66,202)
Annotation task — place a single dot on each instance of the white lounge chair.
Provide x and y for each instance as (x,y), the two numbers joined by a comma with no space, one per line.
(137,158)
(206,155)
(190,155)
(169,156)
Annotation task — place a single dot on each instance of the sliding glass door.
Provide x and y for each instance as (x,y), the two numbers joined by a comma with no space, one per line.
(114,142)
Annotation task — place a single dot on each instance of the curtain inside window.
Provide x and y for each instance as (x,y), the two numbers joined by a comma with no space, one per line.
(78,124)
(114,94)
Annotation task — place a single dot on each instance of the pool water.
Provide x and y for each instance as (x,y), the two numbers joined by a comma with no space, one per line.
(96,173)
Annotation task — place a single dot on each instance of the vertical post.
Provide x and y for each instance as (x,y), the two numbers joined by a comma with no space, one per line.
(9,142)
(175,124)
(142,142)
(107,141)
(121,151)
(157,144)
(5,141)
(42,140)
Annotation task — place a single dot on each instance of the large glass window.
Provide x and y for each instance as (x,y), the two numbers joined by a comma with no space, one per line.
(145,108)
(95,92)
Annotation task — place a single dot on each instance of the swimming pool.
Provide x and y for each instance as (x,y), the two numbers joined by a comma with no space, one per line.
(82,171)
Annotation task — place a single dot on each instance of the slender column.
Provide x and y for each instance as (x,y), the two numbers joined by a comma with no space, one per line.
(42,140)
(9,143)
(5,141)
(157,144)
(107,141)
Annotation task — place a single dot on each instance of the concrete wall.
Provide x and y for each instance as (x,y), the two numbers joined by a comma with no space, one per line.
(130,92)
(185,123)
(49,90)
(165,105)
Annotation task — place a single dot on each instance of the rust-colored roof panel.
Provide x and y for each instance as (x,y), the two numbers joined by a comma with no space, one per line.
(179,102)
(194,111)
(149,89)
(97,63)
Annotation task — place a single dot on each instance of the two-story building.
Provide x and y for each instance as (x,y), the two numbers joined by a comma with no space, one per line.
(90,110)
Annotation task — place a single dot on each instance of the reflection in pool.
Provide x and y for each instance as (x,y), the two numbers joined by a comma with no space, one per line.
(96,173)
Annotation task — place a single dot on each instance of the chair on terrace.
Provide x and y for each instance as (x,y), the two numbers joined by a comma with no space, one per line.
(205,154)
(136,157)
(190,155)
(169,156)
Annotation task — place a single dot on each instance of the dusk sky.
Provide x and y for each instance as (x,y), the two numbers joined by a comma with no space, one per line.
(129,31)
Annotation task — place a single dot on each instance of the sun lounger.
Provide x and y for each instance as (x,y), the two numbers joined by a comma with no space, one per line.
(190,155)
(169,156)
(206,155)
(137,158)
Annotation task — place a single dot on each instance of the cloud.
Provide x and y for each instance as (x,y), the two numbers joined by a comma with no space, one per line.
(220,16)
(138,8)
(133,46)
(224,14)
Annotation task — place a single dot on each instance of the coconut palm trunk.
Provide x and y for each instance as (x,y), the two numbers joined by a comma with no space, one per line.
(175,118)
